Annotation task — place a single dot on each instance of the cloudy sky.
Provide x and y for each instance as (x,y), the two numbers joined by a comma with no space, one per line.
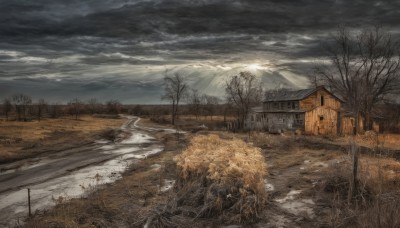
(120,49)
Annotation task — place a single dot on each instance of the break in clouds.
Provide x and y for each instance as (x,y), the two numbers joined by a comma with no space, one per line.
(121,49)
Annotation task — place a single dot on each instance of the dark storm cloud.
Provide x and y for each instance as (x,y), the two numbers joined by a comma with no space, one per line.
(58,39)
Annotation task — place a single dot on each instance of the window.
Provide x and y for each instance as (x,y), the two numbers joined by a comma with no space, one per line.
(289,104)
(293,105)
(322,101)
(321,118)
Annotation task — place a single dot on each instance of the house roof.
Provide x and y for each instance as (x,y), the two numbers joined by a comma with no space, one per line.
(293,95)
(289,95)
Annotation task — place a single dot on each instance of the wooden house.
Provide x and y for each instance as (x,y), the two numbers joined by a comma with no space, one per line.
(313,111)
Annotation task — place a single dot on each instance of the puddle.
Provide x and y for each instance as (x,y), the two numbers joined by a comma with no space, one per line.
(107,147)
(297,206)
(168,184)
(13,204)
(320,164)
(137,138)
(102,141)
(268,187)
(155,167)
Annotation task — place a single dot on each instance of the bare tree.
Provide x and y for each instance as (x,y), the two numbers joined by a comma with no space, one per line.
(195,102)
(210,104)
(93,105)
(243,91)
(21,103)
(175,88)
(363,68)
(41,106)
(75,107)
(54,110)
(7,106)
(113,107)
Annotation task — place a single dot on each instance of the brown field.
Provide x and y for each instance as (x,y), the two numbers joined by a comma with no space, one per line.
(309,178)
(16,138)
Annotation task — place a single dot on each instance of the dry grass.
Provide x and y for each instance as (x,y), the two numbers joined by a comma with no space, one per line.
(377,202)
(380,175)
(372,140)
(36,130)
(218,179)
(15,135)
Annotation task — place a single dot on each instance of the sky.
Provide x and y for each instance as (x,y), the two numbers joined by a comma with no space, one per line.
(121,49)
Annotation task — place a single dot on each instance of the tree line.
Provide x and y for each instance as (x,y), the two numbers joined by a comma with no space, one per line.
(243,91)
(25,108)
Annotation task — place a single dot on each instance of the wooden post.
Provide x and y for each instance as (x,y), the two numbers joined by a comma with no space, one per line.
(29,201)
(354,180)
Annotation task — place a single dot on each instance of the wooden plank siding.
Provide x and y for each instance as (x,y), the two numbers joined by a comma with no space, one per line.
(321,121)
(313,112)
(321,113)
(314,101)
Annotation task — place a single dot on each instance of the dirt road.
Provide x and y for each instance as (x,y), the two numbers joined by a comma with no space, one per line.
(71,172)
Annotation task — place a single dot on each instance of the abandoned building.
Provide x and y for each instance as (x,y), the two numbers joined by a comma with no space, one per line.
(313,111)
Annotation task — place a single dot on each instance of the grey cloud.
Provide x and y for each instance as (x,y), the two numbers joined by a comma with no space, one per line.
(72,40)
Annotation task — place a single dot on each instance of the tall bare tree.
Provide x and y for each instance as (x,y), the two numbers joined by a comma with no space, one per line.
(41,106)
(195,102)
(175,88)
(363,68)
(21,103)
(7,106)
(243,91)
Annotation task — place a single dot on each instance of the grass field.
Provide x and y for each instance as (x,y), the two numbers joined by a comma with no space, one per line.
(17,136)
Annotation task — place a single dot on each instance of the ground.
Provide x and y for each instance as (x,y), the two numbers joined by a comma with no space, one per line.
(300,169)
(20,140)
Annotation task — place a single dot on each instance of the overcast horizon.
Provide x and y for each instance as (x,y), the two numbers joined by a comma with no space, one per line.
(121,49)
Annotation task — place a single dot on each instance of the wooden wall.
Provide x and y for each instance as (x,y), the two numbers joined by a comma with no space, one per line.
(314,101)
(321,121)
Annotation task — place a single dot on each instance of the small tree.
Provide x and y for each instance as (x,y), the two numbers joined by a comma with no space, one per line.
(75,107)
(21,103)
(93,105)
(137,110)
(7,106)
(210,105)
(243,91)
(41,106)
(175,88)
(113,107)
(54,110)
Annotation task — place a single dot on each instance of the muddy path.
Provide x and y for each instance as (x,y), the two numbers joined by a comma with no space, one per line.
(70,173)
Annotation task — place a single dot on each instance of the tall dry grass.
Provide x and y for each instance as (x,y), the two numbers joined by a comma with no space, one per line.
(218,179)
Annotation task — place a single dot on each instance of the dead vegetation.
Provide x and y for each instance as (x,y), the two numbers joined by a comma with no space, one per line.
(309,177)
(23,139)
(217,179)
(375,202)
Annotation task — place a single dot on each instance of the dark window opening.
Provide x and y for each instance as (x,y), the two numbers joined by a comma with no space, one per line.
(321,118)
(322,101)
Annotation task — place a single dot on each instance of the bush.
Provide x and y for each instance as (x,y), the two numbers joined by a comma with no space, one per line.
(220,179)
